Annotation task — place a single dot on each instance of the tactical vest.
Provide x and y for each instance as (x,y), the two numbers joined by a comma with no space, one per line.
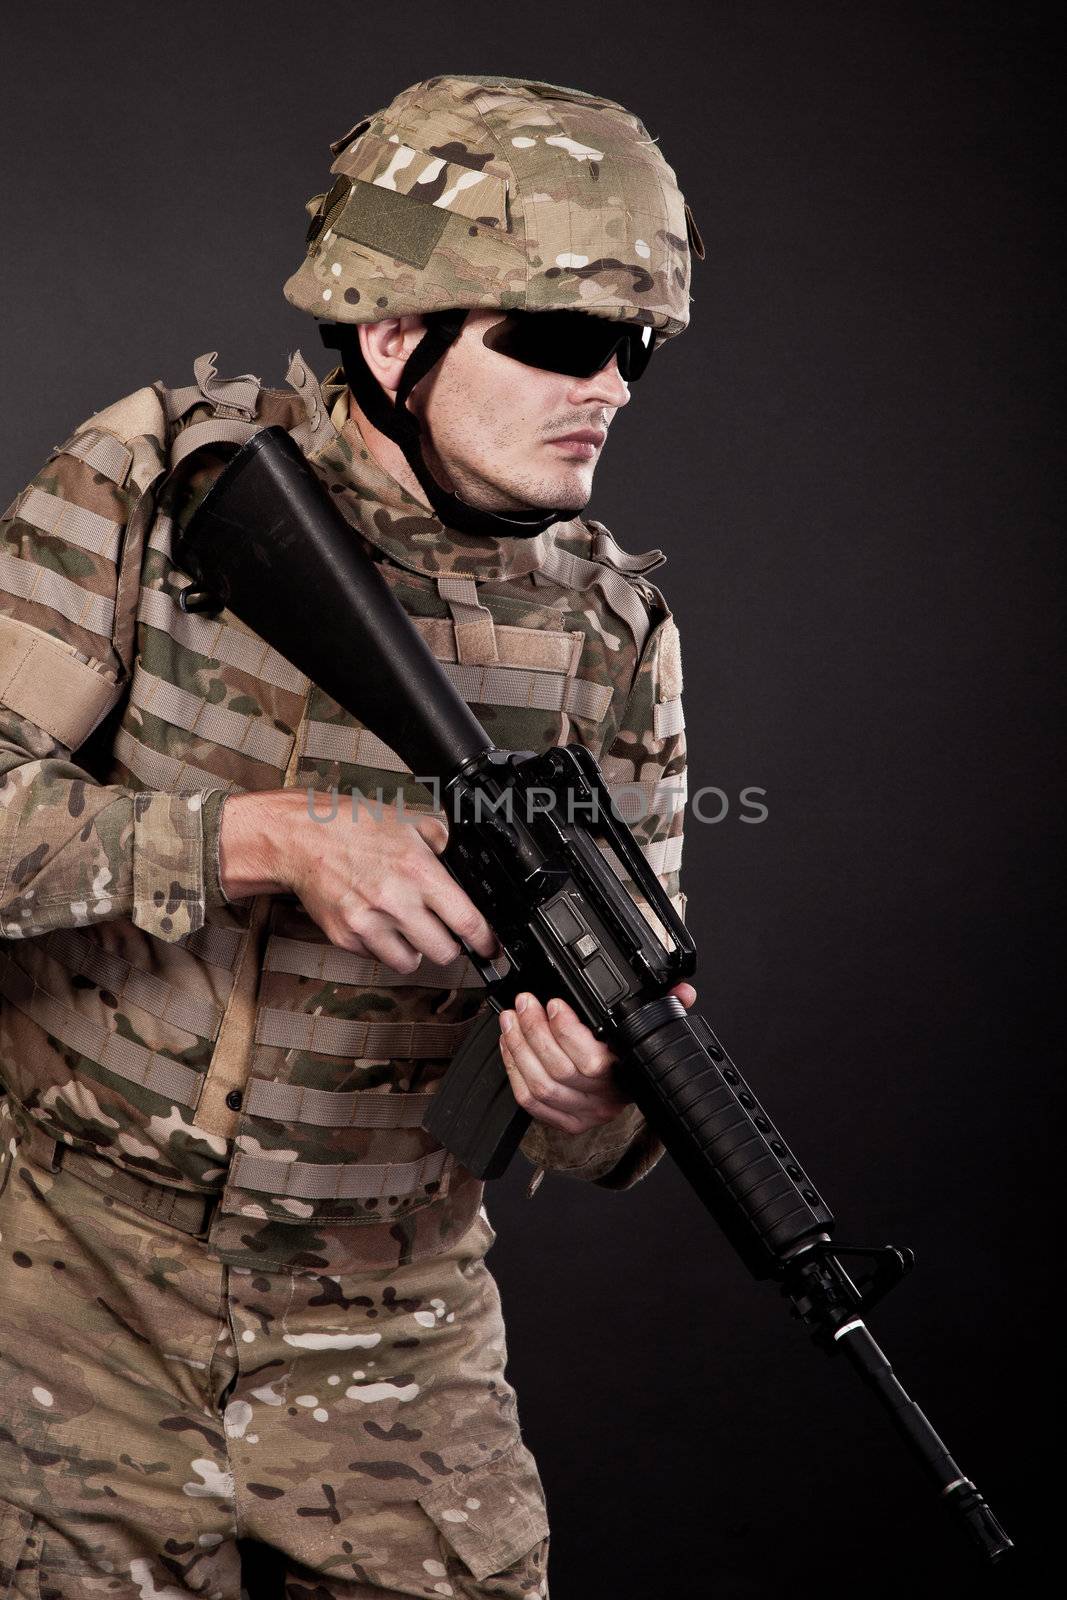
(251,1057)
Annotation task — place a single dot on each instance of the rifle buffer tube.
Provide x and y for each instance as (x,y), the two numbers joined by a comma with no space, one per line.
(270,544)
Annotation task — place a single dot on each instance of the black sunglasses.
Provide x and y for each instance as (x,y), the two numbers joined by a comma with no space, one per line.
(576,343)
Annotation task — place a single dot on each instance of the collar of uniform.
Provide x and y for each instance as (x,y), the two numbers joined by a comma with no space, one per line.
(407,531)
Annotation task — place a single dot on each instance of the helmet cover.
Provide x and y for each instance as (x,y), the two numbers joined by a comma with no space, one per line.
(471,192)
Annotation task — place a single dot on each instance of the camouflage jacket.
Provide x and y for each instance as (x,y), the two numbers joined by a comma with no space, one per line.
(227,1046)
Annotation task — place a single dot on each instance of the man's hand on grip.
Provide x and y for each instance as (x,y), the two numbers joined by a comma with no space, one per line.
(559,1071)
(369,877)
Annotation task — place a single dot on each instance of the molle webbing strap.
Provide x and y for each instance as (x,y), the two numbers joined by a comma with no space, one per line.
(237,394)
(215,430)
(635,799)
(162,534)
(158,771)
(101,451)
(234,730)
(486,686)
(72,523)
(179,401)
(664,855)
(325,1108)
(475,635)
(26,580)
(219,947)
(542,691)
(667,718)
(41,680)
(85,958)
(341,1036)
(135,1063)
(229,394)
(479,686)
(306,958)
(306,1180)
(233,397)
(218,641)
(577,572)
(605,549)
(358,747)
(537,649)
(534,670)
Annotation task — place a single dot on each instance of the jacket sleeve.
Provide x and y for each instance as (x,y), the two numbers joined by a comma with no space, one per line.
(645,767)
(72,850)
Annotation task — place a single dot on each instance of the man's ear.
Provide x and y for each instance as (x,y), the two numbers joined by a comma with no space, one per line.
(386,346)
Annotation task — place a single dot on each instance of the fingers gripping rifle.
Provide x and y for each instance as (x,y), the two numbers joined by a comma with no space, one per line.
(531,837)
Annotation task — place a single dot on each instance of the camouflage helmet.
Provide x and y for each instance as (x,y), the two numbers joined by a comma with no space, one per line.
(473,192)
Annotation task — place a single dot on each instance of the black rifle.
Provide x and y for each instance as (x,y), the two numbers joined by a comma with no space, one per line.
(530,840)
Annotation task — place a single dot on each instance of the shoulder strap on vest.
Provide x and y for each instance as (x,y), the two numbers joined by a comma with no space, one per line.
(233,407)
(616,590)
(228,397)
(613,572)
(472,621)
(605,549)
(234,404)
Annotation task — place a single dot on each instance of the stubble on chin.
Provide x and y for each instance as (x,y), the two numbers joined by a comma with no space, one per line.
(566,490)
(525,490)
(570,494)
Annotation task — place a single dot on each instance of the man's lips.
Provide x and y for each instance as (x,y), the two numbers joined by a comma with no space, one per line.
(584,441)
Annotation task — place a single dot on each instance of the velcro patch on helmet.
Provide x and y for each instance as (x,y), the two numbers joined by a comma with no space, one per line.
(391,223)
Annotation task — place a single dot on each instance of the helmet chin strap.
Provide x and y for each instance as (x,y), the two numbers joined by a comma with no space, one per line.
(402,426)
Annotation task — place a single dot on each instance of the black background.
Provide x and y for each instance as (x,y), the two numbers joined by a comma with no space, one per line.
(849,459)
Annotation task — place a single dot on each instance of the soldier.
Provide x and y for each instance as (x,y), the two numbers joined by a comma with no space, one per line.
(243,1292)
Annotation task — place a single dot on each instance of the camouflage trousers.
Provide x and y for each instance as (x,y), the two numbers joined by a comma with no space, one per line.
(158,1404)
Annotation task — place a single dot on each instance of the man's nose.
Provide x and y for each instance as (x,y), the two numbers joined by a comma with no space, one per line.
(608,386)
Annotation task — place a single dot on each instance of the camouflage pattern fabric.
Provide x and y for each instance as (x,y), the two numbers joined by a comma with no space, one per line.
(360,1424)
(483,191)
(120,951)
(169,1054)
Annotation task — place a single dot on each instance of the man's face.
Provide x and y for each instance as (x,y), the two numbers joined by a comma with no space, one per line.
(503,434)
